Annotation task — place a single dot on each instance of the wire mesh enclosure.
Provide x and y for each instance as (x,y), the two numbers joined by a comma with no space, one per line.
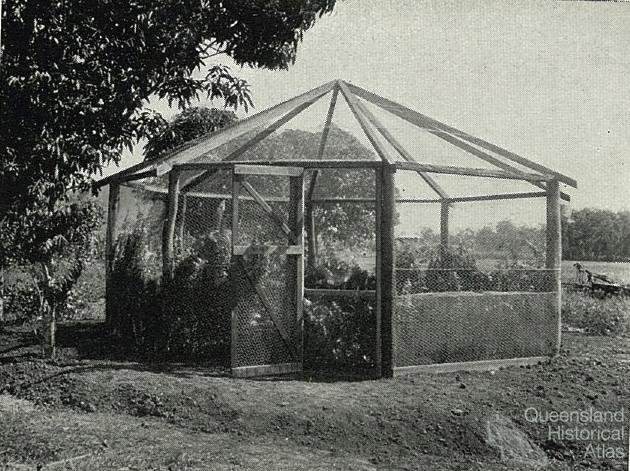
(336,256)
(472,283)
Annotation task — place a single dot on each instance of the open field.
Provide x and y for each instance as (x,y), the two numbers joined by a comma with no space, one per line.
(99,413)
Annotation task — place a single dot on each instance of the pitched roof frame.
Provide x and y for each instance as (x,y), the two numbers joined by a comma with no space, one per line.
(284,112)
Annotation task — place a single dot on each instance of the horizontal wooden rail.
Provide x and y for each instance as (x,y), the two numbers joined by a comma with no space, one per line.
(267,249)
(341,293)
(240,169)
(162,192)
(339,163)
(505,196)
(471,172)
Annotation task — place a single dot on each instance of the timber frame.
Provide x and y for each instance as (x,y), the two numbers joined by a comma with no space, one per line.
(197,156)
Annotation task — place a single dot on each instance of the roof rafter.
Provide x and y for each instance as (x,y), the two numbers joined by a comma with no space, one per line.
(273,127)
(487,157)
(422,121)
(322,142)
(400,149)
(365,124)
(208,142)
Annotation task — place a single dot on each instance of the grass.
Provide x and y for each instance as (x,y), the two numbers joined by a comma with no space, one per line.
(608,316)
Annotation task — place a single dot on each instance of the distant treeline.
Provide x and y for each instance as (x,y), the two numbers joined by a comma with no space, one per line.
(596,234)
(587,234)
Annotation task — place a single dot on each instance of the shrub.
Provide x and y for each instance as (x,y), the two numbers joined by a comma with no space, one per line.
(339,332)
(597,316)
(134,280)
(187,316)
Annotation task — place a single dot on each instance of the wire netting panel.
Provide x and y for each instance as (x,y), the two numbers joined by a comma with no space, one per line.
(261,311)
(340,330)
(470,281)
(140,218)
(265,313)
(345,230)
(466,326)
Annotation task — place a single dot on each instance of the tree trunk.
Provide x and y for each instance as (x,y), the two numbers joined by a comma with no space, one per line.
(49,321)
(1,294)
(49,329)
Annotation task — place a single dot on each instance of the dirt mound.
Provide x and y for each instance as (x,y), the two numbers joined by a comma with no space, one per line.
(513,445)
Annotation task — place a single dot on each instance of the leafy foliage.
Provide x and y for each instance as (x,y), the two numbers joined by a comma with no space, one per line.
(54,244)
(507,241)
(185,317)
(339,332)
(596,234)
(425,267)
(75,77)
(189,124)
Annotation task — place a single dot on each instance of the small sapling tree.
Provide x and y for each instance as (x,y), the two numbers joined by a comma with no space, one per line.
(55,244)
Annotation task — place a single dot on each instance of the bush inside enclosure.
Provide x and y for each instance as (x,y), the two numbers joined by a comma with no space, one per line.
(339,332)
(187,317)
(608,316)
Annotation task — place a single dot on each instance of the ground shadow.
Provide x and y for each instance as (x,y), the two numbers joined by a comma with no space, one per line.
(88,345)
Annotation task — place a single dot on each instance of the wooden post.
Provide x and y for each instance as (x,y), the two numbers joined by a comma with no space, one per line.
(168,236)
(387,263)
(309,221)
(295,275)
(110,248)
(378,354)
(235,268)
(181,215)
(444,226)
(554,248)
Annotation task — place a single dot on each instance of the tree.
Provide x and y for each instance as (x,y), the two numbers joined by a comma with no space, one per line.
(596,234)
(75,77)
(187,125)
(54,246)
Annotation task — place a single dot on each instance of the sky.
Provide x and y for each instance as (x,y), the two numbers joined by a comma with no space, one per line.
(547,80)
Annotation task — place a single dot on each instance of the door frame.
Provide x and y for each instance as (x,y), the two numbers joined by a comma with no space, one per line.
(294,250)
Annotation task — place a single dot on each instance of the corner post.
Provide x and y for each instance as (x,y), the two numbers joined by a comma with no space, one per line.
(554,248)
(110,248)
(168,237)
(295,278)
(387,214)
(234,266)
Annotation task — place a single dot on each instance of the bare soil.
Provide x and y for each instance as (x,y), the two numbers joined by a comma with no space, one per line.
(92,410)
